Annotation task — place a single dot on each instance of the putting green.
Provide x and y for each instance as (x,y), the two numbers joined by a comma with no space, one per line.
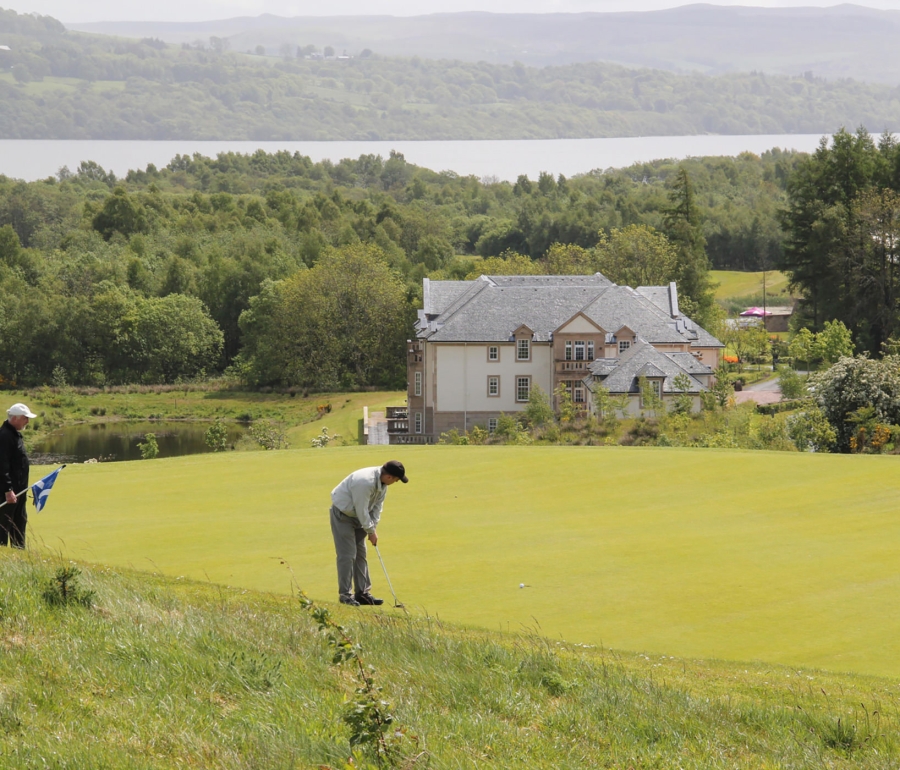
(788,558)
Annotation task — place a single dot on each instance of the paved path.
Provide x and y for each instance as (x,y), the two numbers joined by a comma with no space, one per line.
(765,392)
(378,432)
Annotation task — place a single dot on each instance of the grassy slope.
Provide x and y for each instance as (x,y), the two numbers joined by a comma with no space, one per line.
(163,674)
(345,418)
(733,283)
(787,558)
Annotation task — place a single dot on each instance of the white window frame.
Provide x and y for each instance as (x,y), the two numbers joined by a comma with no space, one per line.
(523,344)
(417,387)
(493,353)
(590,350)
(493,379)
(526,379)
(418,422)
(492,425)
(569,350)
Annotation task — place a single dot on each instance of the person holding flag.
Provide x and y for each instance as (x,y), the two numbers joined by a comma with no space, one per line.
(14,476)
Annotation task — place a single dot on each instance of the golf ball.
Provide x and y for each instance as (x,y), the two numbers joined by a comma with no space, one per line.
(521,585)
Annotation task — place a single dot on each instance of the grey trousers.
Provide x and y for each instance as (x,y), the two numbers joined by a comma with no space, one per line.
(350,546)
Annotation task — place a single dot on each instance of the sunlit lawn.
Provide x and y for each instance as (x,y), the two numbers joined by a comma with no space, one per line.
(345,417)
(788,558)
(733,283)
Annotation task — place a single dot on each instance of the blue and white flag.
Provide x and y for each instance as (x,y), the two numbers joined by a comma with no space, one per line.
(40,490)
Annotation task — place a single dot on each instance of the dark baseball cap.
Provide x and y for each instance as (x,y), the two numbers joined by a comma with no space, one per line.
(395,468)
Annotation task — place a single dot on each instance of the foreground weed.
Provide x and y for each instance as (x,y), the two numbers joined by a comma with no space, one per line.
(63,589)
(367,715)
(847,736)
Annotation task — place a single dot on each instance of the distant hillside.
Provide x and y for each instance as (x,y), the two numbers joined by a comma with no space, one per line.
(58,84)
(846,41)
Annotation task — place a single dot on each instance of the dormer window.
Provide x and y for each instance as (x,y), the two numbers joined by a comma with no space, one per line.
(523,350)
(624,345)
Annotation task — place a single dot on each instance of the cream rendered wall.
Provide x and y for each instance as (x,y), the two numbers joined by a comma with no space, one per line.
(461,372)
(578,325)
(428,385)
(635,410)
(710,357)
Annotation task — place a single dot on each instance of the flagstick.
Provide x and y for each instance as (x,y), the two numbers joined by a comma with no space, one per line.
(25,491)
(18,495)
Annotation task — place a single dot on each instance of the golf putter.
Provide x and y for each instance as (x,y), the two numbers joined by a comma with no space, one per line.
(397,602)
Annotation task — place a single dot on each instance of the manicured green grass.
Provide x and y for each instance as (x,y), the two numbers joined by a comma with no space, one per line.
(740,555)
(169,673)
(733,283)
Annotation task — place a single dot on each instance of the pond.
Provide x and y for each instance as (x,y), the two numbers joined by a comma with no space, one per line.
(115,441)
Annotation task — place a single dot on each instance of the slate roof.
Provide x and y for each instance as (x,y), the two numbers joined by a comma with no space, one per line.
(491,312)
(664,297)
(491,308)
(689,363)
(620,375)
(439,295)
(621,306)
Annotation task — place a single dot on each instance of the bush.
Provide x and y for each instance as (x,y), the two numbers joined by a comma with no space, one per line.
(216,436)
(149,447)
(644,432)
(792,384)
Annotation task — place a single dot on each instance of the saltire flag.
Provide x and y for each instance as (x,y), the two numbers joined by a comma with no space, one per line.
(40,490)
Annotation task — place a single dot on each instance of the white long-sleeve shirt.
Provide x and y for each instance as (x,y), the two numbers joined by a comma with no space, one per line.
(362,495)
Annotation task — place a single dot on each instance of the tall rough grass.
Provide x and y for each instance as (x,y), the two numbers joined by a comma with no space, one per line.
(156,673)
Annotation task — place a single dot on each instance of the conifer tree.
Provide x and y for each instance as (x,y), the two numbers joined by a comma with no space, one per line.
(684,228)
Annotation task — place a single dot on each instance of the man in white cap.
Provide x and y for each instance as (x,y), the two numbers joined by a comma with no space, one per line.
(14,476)
(356,505)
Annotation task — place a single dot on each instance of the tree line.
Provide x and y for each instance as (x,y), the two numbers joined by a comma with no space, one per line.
(842,236)
(142,89)
(201,266)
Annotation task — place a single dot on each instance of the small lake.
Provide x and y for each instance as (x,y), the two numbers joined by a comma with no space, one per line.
(505,159)
(116,441)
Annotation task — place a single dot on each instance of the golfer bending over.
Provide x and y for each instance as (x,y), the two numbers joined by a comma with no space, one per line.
(356,505)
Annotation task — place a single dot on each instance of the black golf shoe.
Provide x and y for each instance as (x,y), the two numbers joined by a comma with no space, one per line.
(367,599)
(349,600)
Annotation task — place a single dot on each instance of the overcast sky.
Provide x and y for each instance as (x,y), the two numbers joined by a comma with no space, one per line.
(202,10)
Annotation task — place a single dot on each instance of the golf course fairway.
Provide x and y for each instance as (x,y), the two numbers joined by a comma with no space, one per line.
(741,555)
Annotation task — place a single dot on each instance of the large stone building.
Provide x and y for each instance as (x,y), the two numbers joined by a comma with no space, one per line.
(481,346)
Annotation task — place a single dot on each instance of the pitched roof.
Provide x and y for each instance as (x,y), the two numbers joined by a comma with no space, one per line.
(494,312)
(437,296)
(620,375)
(491,308)
(664,297)
(621,306)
